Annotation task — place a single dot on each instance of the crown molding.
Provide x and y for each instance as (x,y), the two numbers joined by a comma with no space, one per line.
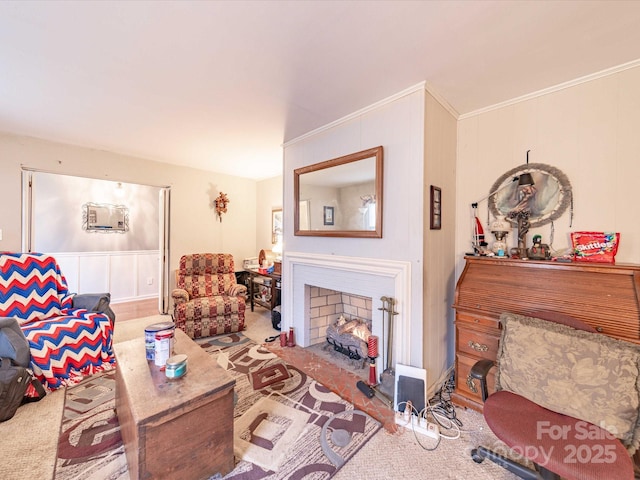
(555,88)
(441,100)
(422,86)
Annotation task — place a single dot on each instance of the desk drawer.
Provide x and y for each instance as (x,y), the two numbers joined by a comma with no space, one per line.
(481,321)
(468,387)
(474,343)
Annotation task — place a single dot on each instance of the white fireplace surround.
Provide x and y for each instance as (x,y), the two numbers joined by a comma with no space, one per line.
(369,277)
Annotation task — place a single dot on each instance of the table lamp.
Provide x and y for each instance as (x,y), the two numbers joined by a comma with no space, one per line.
(478,233)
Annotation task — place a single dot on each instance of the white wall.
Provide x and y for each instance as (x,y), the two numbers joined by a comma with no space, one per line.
(127,276)
(439,250)
(194,226)
(58,211)
(398,126)
(590,131)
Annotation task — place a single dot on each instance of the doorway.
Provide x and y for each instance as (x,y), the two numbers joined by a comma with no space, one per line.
(126,255)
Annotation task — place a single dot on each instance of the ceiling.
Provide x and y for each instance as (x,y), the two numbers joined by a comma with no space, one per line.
(221,85)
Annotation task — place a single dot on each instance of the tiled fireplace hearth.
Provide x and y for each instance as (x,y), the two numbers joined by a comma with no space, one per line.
(374,278)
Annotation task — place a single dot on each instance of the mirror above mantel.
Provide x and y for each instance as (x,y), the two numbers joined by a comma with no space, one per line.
(341,197)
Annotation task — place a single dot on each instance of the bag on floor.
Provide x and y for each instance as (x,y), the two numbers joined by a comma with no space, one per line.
(15,380)
(13,343)
(275,317)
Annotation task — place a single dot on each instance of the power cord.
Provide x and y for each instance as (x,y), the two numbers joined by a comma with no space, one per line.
(438,415)
(441,407)
(409,418)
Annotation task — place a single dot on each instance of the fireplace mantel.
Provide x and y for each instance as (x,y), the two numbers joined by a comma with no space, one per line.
(370,277)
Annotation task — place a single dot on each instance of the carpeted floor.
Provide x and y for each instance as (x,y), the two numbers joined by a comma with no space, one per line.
(282,430)
(30,438)
(34,433)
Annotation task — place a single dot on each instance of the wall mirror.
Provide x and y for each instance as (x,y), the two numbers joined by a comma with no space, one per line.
(341,197)
(106,218)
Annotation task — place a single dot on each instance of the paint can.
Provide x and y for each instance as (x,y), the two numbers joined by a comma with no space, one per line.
(150,337)
(176,366)
(162,347)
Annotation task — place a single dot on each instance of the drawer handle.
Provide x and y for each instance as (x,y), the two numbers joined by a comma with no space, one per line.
(478,347)
(471,384)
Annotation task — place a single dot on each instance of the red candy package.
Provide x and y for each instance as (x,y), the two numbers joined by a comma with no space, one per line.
(595,246)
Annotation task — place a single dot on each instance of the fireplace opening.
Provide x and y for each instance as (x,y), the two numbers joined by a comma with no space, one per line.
(369,278)
(339,326)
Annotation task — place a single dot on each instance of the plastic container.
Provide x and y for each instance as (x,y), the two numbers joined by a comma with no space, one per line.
(176,366)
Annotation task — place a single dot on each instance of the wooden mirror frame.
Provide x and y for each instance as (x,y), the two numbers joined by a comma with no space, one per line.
(354,157)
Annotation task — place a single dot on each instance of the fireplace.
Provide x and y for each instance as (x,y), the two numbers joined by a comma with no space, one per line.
(327,306)
(364,277)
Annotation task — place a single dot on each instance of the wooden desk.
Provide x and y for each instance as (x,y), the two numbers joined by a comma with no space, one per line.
(180,428)
(274,279)
(605,296)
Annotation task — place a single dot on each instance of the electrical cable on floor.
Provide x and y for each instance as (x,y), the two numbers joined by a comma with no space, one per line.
(420,443)
(441,406)
(440,409)
(414,415)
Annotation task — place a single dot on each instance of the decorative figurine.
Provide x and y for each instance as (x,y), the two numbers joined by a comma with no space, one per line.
(539,250)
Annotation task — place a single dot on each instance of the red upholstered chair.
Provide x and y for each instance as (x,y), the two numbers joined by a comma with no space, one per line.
(559,444)
(207,299)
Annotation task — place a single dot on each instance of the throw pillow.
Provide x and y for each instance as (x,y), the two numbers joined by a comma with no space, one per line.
(589,376)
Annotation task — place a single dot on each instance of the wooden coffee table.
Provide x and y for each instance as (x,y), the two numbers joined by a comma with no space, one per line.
(179,428)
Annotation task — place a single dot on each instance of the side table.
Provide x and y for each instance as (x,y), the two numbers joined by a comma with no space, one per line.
(270,282)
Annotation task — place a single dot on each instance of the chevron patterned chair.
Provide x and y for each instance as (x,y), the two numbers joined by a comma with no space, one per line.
(69,335)
(207,299)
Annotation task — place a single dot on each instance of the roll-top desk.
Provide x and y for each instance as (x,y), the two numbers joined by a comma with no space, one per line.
(602,295)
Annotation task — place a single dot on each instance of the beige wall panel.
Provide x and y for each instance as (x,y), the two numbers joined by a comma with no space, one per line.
(589,131)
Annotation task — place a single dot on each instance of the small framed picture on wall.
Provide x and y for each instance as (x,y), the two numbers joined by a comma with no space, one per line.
(436,208)
(328,215)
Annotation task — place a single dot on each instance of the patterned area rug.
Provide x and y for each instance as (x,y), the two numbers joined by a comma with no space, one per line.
(286,425)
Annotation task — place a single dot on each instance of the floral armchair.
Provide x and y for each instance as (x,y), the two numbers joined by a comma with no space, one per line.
(69,335)
(207,299)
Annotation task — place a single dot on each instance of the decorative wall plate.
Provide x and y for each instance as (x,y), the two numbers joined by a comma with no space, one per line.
(547,199)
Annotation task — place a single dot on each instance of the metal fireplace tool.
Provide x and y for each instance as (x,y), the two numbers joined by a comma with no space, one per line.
(385,389)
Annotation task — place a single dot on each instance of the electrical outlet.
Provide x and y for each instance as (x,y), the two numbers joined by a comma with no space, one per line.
(432,430)
(149,280)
